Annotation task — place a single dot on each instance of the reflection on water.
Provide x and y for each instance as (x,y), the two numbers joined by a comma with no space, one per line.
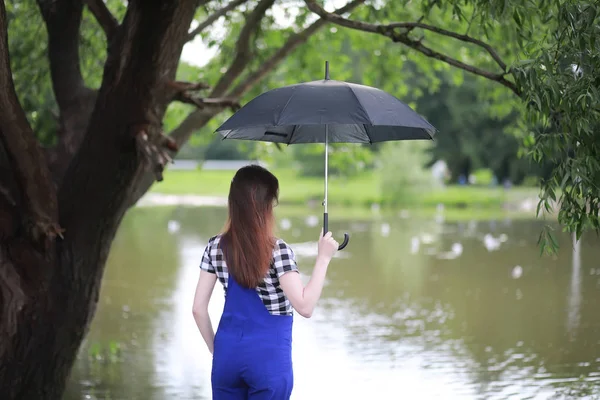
(412,309)
(575,290)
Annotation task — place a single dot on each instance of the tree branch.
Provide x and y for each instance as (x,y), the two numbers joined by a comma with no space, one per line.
(184,93)
(37,193)
(242,48)
(293,42)
(213,17)
(63,21)
(444,32)
(74,99)
(417,45)
(201,103)
(106,20)
(402,37)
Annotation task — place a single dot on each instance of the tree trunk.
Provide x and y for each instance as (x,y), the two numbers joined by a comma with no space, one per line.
(50,293)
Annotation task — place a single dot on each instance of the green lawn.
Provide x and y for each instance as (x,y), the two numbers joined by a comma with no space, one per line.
(293,189)
(367,214)
(363,190)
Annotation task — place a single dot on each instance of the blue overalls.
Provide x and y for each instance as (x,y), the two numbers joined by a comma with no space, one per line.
(252,356)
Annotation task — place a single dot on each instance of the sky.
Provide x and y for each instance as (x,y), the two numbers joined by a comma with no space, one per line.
(197,53)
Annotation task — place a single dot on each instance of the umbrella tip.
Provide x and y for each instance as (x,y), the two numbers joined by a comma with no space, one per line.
(327,70)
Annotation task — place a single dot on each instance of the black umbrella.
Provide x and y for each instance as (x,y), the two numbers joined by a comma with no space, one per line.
(326,111)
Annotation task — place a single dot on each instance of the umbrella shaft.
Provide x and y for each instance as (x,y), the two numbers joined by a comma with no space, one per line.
(326,165)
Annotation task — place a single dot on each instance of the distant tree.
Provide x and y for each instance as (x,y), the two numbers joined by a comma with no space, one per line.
(344,159)
(472,137)
(228,150)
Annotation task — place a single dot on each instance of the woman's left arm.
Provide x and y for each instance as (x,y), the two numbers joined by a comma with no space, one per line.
(204,289)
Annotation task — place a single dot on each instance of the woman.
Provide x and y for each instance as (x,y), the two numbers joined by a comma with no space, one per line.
(252,349)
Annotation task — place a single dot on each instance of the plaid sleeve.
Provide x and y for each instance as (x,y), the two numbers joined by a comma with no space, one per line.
(284,259)
(206,264)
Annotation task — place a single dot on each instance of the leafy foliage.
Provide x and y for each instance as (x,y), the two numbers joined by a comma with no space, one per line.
(556,68)
(472,135)
(555,65)
(560,80)
(27,40)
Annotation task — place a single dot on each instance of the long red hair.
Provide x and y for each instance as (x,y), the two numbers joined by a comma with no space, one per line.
(248,240)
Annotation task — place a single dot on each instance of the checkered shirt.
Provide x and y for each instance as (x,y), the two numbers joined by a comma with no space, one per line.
(269,290)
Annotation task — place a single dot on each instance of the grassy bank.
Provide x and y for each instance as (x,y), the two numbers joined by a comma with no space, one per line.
(367,214)
(362,191)
(364,214)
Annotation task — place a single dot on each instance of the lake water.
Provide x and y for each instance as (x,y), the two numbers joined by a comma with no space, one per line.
(412,309)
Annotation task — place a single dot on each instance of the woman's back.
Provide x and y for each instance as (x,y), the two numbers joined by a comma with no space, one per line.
(269,290)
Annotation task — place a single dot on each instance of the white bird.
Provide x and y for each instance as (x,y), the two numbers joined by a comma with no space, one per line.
(414,245)
(285,224)
(457,248)
(404,214)
(385,229)
(312,221)
(426,238)
(173,226)
(517,272)
(455,252)
(490,242)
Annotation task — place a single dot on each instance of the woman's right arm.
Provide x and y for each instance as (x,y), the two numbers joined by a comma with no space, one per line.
(304,298)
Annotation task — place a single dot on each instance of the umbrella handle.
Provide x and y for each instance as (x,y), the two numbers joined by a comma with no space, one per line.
(345,242)
(326,229)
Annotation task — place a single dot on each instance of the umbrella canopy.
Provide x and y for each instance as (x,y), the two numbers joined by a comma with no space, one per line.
(326,111)
(350,113)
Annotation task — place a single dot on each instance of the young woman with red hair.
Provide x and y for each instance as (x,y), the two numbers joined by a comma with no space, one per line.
(252,348)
